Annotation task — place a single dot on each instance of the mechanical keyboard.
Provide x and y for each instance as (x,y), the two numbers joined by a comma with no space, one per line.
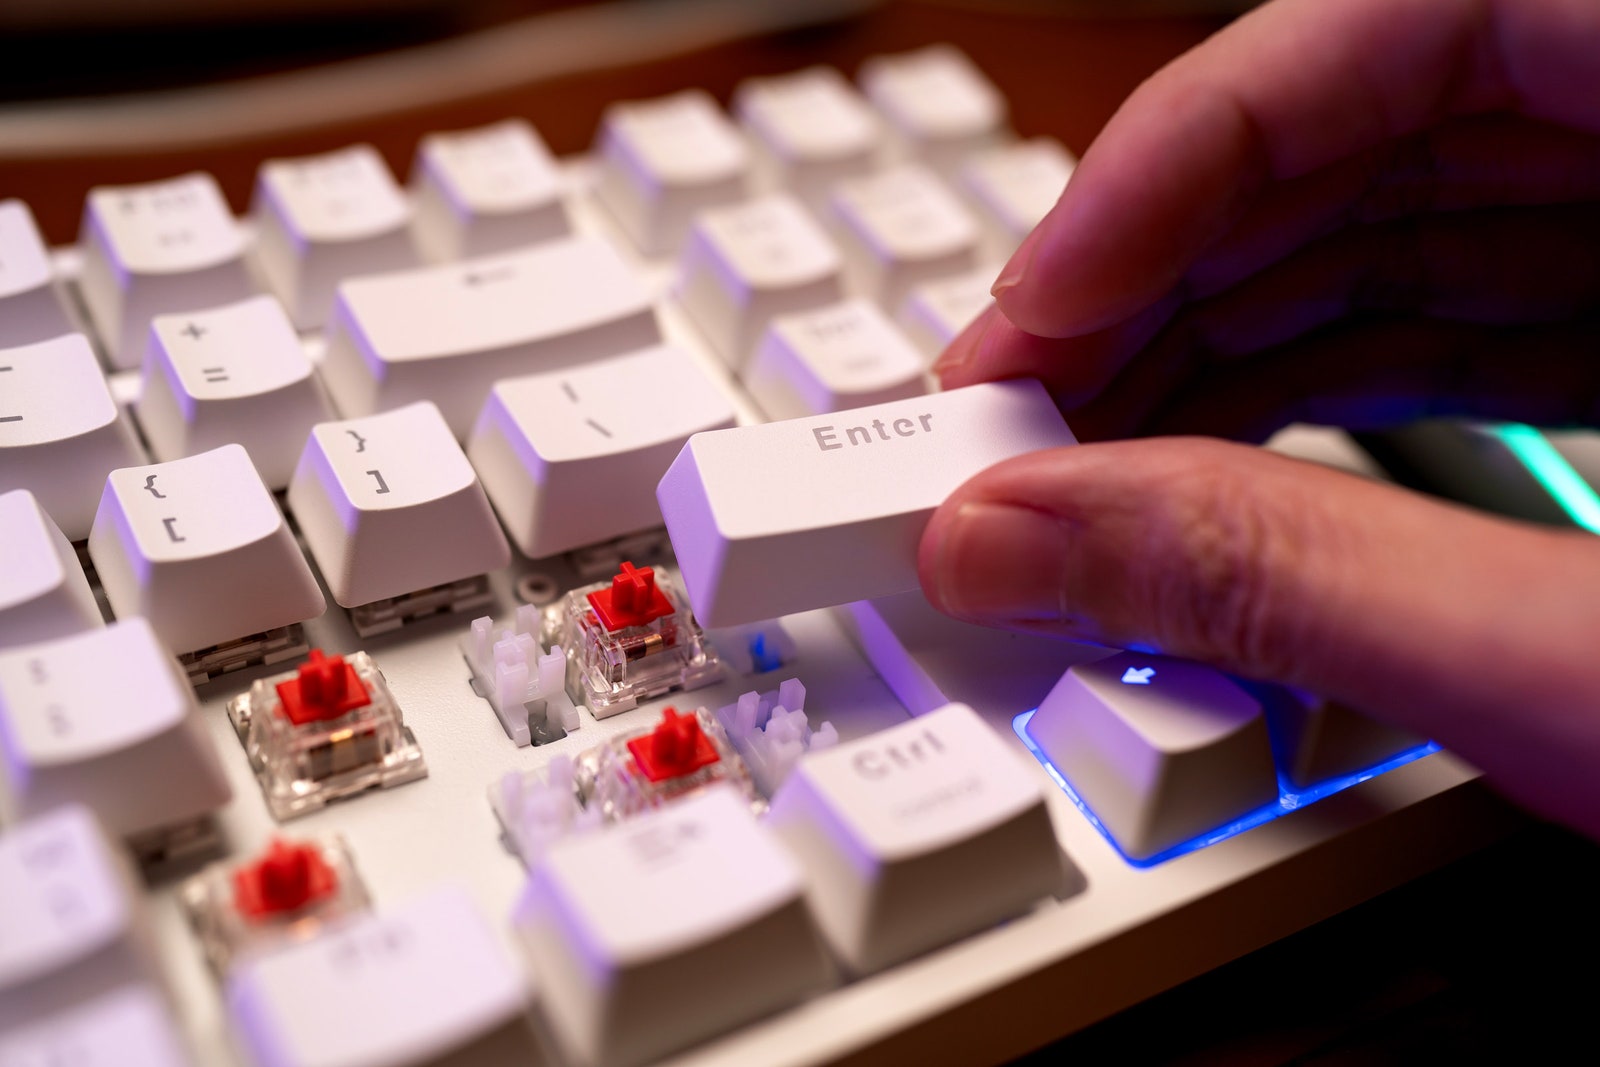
(474,621)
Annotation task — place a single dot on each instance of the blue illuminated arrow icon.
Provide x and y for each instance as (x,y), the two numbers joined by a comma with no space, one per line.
(1138,675)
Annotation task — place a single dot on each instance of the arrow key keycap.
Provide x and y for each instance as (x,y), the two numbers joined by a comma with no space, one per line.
(1160,750)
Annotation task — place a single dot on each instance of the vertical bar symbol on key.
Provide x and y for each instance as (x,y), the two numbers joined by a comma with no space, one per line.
(9,418)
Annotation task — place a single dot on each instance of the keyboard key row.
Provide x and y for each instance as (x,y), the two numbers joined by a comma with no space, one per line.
(199,546)
(173,246)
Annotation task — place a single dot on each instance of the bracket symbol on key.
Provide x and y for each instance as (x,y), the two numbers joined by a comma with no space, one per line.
(383,486)
(9,418)
(172,534)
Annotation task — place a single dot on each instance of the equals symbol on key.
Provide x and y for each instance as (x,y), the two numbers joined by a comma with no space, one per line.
(215,374)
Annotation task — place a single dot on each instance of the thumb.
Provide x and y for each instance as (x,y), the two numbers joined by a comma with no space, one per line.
(1478,632)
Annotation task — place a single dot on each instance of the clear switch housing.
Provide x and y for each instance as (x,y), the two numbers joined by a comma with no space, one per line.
(677,756)
(289,892)
(630,639)
(326,730)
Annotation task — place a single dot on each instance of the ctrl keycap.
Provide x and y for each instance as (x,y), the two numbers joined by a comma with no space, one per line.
(673,927)
(1160,750)
(918,835)
(427,983)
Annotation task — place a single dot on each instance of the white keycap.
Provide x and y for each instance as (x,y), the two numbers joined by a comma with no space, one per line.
(72,928)
(105,718)
(842,356)
(43,591)
(1161,750)
(1014,186)
(30,308)
(486,190)
(571,458)
(748,262)
(322,219)
(899,228)
(935,312)
(939,104)
(787,516)
(725,937)
(811,128)
(1320,740)
(61,432)
(199,547)
(234,373)
(662,161)
(413,985)
(389,504)
(128,1027)
(918,835)
(148,249)
(448,333)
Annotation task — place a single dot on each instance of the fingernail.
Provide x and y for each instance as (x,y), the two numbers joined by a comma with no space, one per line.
(962,350)
(1016,267)
(1001,562)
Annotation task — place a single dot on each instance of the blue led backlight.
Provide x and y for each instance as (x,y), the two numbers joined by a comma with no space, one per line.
(1138,675)
(1289,798)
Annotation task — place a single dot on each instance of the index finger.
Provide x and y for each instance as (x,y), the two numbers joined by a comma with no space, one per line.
(1288,89)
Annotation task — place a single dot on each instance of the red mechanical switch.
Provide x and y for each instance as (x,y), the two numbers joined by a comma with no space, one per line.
(632,600)
(325,687)
(286,879)
(676,747)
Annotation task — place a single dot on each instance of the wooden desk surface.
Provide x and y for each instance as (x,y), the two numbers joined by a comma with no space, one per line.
(1064,76)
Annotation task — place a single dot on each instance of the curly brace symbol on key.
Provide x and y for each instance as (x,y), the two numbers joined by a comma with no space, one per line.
(361,442)
(150,487)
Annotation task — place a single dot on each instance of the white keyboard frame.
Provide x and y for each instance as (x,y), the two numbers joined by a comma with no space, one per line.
(1128,934)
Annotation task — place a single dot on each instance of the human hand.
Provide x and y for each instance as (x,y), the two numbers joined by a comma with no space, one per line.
(1352,212)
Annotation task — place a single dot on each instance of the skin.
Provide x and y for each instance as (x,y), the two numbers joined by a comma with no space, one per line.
(1352,212)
